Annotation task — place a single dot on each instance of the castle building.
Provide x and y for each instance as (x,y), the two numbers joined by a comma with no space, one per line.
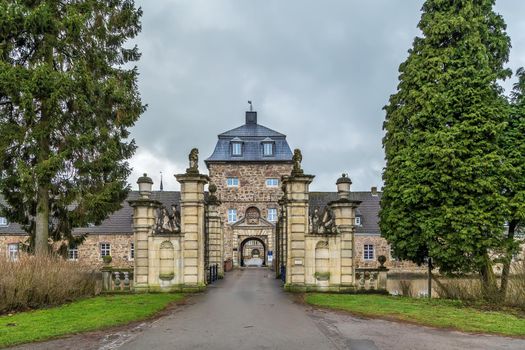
(247,167)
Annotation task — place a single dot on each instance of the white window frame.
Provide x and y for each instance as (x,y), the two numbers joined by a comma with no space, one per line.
(237,149)
(368,252)
(132,251)
(13,251)
(272,182)
(232,182)
(268,146)
(358,221)
(3,221)
(272,217)
(105,251)
(72,253)
(232,215)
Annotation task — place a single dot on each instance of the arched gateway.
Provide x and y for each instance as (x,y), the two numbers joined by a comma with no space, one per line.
(258,193)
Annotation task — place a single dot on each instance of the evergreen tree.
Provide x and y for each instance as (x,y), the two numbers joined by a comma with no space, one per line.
(442,182)
(67,97)
(514,189)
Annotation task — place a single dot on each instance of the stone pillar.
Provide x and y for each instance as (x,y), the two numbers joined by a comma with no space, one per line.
(144,209)
(297,195)
(192,227)
(215,234)
(344,216)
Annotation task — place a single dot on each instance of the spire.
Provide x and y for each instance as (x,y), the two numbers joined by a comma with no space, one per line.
(161,186)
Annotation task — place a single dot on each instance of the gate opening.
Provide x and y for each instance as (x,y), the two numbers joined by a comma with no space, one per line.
(253,252)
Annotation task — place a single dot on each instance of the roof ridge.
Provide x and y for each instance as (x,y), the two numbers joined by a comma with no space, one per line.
(251,126)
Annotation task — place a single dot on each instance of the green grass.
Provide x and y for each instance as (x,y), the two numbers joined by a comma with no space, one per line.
(436,312)
(84,315)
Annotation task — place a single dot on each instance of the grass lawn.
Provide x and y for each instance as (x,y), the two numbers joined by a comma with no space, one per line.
(84,315)
(436,312)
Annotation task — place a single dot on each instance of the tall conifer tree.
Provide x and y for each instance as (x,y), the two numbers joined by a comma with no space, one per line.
(442,182)
(67,97)
(514,189)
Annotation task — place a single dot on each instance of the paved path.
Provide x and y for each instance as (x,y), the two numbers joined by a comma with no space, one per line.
(249,310)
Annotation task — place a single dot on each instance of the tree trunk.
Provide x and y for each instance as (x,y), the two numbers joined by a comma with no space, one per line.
(488,282)
(43,180)
(508,259)
(42,222)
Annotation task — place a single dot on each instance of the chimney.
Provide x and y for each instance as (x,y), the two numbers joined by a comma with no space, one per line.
(251,117)
(373,190)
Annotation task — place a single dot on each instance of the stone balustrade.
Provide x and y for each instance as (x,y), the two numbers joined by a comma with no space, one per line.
(369,279)
(117,279)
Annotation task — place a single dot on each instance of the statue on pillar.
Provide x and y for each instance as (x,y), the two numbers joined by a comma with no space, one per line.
(193,158)
(297,159)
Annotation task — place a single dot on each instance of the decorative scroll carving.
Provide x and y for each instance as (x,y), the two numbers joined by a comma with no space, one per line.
(252,216)
(167,221)
(193,158)
(323,222)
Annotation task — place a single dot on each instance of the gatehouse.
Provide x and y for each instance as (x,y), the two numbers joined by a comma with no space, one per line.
(256,212)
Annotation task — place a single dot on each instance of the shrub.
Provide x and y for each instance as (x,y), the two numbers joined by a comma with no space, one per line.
(516,291)
(36,282)
(465,289)
(406,288)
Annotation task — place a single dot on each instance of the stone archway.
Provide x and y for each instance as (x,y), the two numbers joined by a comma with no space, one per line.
(260,248)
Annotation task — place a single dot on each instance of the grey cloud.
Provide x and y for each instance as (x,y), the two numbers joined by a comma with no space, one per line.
(318,71)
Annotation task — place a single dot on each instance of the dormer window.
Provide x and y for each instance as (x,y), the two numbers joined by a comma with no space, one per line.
(3,221)
(268,147)
(236,147)
(358,221)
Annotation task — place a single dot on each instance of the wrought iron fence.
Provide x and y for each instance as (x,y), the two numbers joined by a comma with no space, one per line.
(212,273)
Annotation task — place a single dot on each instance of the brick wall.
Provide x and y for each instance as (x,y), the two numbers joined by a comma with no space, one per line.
(381,247)
(252,191)
(120,245)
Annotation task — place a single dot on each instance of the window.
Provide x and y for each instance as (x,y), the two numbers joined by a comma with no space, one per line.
(272,214)
(232,182)
(105,249)
(3,221)
(132,251)
(12,251)
(232,215)
(368,252)
(358,221)
(236,149)
(268,149)
(272,182)
(72,253)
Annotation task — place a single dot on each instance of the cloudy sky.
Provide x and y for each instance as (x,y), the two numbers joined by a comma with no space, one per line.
(318,71)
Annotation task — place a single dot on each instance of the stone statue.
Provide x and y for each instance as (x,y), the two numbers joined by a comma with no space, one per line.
(297,159)
(323,223)
(193,157)
(167,222)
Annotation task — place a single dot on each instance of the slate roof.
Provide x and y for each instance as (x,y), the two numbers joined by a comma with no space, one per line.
(368,210)
(251,135)
(120,222)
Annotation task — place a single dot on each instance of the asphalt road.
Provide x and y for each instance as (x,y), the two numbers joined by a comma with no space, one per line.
(249,310)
